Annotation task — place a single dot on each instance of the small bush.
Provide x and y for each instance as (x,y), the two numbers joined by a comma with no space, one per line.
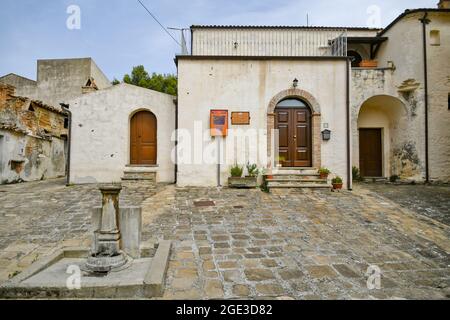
(252,170)
(337,180)
(356,174)
(324,171)
(394,178)
(237,171)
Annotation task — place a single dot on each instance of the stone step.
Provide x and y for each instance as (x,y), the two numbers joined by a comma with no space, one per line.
(295,176)
(298,186)
(298,180)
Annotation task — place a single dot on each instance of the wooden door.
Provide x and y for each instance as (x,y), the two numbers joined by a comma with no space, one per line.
(143,139)
(294,125)
(370,153)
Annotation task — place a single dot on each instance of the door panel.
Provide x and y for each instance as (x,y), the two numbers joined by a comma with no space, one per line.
(143,139)
(370,152)
(294,125)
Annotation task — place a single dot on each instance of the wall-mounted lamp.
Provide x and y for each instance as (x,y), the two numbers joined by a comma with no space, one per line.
(295,83)
(236,45)
(326,135)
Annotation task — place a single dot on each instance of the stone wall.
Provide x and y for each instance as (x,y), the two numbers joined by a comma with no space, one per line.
(32,139)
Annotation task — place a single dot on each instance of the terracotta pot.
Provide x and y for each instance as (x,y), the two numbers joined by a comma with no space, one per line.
(337,186)
(324,176)
(368,64)
(269,177)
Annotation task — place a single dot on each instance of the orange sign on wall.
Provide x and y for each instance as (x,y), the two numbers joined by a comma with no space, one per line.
(219,123)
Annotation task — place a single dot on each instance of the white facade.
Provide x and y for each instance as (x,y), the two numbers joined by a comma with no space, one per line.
(250,85)
(101,133)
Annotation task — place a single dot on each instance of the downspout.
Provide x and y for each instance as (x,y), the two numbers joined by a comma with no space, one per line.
(65,107)
(176,141)
(424,22)
(349,160)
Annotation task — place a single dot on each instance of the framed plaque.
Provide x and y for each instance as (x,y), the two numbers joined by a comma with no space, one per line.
(240,118)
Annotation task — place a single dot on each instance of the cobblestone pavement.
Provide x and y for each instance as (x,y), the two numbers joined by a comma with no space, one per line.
(36,218)
(431,201)
(297,244)
(249,244)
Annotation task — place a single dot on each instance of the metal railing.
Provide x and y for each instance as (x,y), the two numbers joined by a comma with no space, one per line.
(270,42)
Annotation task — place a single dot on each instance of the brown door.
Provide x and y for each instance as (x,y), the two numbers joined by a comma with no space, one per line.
(370,152)
(294,125)
(143,139)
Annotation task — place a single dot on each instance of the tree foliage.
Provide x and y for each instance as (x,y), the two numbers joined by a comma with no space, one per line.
(166,83)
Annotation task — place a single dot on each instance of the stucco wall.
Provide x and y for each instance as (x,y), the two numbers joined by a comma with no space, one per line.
(58,80)
(405,49)
(250,85)
(101,132)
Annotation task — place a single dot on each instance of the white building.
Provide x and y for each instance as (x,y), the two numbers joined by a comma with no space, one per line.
(381,95)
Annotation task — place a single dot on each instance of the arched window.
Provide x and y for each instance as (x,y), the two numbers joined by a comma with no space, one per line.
(356,58)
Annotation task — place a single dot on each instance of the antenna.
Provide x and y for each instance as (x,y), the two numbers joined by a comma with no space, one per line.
(307,19)
(184,50)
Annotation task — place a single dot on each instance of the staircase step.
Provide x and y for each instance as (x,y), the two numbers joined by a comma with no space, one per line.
(299,186)
(299,180)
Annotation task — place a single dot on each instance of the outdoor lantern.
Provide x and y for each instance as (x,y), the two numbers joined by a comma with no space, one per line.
(326,135)
(295,83)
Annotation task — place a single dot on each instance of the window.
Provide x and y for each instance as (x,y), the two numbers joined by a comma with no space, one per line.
(356,58)
(435,37)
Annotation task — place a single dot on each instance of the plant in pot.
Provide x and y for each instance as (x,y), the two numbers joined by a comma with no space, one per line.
(237,181)
(324,173)
(337,183)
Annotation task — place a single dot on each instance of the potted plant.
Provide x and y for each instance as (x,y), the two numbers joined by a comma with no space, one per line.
(337,183)
(237,181)
(324,173)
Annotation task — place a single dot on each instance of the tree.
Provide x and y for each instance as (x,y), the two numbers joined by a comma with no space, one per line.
(115,82)
(166,83)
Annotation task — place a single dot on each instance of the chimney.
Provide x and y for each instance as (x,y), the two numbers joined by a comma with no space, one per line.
(6,92)
(444,4)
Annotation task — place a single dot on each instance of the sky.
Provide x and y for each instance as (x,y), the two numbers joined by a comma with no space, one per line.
(120,34)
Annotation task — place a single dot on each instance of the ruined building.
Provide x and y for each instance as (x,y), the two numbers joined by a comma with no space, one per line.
(33,138)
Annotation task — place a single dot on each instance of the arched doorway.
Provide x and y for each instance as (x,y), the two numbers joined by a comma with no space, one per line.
(293,121)
(381,125)
(143,139)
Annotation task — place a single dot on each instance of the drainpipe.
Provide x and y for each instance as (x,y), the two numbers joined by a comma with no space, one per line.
(424,22)
(176,141)
(349,160)
(65,107)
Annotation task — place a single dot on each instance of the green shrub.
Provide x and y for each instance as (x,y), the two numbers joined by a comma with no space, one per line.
(252,170)
(237,171)
(394,178)
(356,174)
(324,171)
(337,180)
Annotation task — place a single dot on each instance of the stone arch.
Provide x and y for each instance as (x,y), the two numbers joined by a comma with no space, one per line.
(389,115)
(316,123)
(295,93)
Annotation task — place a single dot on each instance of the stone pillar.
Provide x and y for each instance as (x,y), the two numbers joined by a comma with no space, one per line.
(317,140)
(106,254)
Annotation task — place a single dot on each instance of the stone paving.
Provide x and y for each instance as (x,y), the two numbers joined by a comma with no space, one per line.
(249,244)
(431,201)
